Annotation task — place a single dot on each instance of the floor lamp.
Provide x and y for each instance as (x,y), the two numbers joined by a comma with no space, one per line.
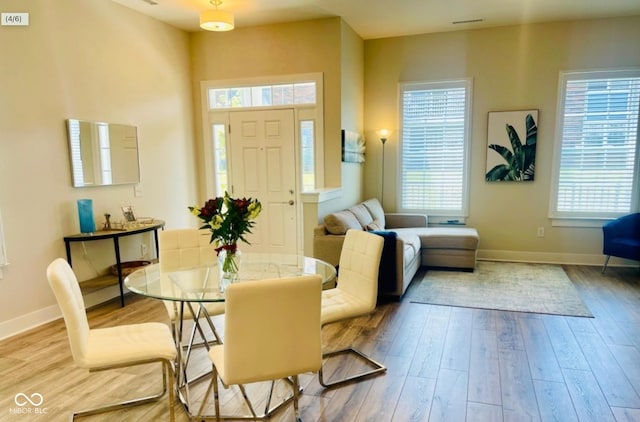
(383,134)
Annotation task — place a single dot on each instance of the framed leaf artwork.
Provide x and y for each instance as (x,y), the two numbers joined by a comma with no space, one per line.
(352,147)
(511,146)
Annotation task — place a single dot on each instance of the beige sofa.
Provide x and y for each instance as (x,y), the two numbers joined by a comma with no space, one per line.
(409,243)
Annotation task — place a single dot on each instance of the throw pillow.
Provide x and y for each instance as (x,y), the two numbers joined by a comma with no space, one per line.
(340,222)
(375,225)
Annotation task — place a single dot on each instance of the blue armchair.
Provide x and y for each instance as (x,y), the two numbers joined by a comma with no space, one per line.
(622,238)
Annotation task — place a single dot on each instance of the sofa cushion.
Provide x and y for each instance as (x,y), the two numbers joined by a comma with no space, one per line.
(341,221)
(411,243)
(376,211)
(362,214)
(449,238)
(374,225)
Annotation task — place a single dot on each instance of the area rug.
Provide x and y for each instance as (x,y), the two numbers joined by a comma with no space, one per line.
(506,286)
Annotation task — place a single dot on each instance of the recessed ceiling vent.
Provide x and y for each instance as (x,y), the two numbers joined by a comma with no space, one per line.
(467,21)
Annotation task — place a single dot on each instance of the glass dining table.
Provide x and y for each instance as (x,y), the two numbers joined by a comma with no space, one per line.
(202,283)
(189,289)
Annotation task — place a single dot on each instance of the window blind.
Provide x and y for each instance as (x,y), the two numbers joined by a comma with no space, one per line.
(434,122)
(76,156)
(597,173)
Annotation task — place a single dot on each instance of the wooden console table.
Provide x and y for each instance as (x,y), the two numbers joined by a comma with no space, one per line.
(106,280)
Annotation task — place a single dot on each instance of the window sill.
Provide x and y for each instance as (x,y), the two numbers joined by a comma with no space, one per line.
(595,223)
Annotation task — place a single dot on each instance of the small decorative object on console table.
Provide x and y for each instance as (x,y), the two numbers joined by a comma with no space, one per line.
(85,215)
(229,220)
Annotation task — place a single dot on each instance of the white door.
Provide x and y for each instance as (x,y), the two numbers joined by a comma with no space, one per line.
(263,166)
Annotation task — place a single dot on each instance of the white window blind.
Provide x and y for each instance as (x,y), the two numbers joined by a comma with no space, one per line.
(435,130)
(597,174)
(76,156)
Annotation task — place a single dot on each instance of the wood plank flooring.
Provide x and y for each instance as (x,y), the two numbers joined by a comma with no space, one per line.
(444,364)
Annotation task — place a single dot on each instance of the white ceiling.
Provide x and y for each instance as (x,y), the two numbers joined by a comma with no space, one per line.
(388,18)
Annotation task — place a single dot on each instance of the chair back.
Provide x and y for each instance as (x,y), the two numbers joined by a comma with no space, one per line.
(359,266)
(65,287)
(184,248)
(272,329)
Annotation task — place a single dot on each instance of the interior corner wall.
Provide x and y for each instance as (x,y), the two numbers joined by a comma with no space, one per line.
(513,68)
(352,98)
(90,60)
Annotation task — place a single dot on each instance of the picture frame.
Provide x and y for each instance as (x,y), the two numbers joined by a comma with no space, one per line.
(352,147)
(129,215)
(511,145)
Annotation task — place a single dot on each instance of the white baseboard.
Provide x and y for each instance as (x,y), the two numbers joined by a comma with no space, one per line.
(552,258)
(51,313)
(26,322)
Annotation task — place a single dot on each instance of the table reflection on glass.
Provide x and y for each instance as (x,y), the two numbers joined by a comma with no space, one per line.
(202,284)
(189,288)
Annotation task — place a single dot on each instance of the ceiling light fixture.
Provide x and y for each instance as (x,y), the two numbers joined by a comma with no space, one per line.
(216,20)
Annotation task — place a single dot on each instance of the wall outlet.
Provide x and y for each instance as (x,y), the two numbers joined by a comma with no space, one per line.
(540,231)
(143,250)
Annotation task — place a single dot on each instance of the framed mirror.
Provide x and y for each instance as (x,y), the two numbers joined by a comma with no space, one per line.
(103,154)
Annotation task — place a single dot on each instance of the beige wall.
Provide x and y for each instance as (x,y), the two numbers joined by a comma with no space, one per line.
(513,68)
(351,187)
(92,60)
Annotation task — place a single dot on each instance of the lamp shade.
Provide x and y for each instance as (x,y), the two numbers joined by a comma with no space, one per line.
(216,20)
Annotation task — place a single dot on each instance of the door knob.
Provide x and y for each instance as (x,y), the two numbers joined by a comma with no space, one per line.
(291,202)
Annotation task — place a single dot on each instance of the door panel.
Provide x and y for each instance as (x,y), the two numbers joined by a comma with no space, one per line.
(263,166)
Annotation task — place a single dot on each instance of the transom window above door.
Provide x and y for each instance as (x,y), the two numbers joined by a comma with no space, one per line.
(263,95)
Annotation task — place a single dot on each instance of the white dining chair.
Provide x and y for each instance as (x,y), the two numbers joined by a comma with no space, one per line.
(355,295)
(272,332)
(115,347)
(186,248)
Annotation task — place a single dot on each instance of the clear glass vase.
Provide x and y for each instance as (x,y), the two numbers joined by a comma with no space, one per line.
(229,261)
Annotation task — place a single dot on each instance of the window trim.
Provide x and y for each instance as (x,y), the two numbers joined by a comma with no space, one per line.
(586,219)
(440,215)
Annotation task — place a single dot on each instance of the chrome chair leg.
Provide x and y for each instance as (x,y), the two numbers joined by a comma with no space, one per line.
(606,262)
(167,380)
(268,413)
(378,368)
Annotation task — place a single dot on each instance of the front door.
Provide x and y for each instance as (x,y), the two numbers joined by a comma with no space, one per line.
(263,166)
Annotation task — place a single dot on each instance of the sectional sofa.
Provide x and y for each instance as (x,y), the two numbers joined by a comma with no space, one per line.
(409,243)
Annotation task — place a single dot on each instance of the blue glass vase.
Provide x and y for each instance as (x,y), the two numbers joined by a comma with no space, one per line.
(85,214)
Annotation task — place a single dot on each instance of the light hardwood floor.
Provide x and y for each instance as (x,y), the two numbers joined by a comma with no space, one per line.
(445,364)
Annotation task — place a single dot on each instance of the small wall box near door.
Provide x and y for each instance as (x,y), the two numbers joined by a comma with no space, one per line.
(115,235)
